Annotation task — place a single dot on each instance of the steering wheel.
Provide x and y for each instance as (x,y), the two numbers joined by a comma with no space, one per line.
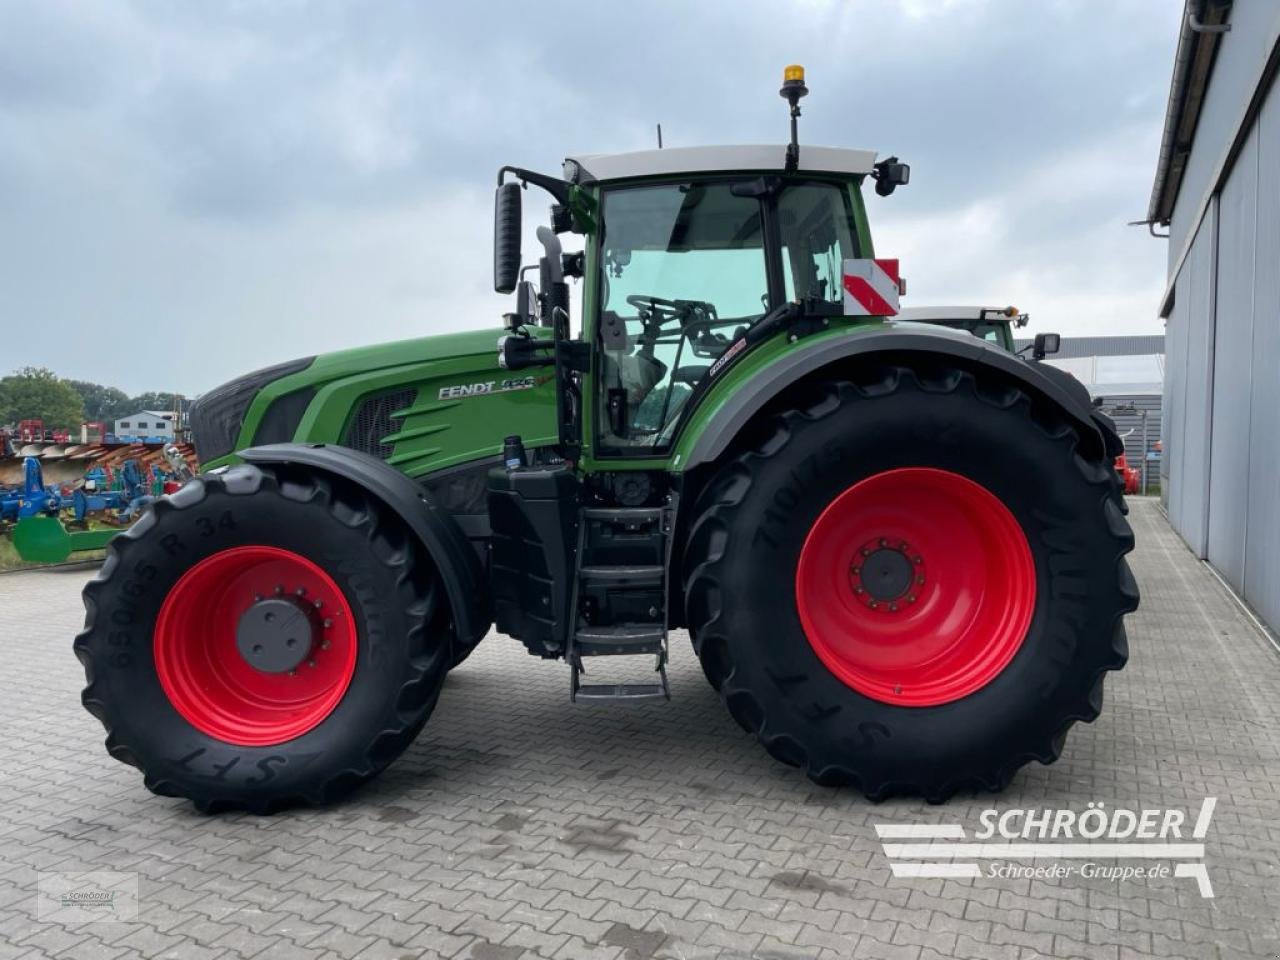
(650,304)
(662,310)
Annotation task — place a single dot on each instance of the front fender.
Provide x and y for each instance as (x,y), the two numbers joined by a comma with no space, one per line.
(460,571)
(894,340)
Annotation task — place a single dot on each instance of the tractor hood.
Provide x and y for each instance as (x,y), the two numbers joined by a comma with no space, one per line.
(414,403)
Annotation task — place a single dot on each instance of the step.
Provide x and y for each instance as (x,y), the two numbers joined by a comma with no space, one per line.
(647,575)
(622,514)
(628,692)
(632,638)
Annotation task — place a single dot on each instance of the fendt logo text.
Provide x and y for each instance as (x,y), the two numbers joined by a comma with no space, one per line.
(1094,842)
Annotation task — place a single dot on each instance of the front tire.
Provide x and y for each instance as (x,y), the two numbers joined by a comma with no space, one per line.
(913,583)
(262,638)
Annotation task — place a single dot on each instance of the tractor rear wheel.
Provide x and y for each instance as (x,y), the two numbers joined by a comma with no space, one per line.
(954,580)
(262,638)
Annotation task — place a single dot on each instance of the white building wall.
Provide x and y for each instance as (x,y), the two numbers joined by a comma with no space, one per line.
(1255,25)
(1222,383)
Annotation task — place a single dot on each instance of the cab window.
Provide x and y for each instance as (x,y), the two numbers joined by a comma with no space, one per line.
(684,272)
(683,269)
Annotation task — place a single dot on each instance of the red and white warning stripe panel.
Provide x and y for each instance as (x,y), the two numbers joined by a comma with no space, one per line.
(871,288)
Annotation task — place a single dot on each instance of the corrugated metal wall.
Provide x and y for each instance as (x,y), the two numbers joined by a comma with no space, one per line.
(1127,413)
(1222,383)
(1189,341)
(1262,553)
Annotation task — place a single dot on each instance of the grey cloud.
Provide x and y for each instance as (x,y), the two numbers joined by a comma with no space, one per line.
(248,181)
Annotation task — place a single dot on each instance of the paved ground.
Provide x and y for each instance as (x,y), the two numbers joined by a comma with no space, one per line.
(521,826)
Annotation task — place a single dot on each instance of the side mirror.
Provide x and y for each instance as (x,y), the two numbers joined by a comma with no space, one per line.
(506,236)
(526,301)
(1045,344)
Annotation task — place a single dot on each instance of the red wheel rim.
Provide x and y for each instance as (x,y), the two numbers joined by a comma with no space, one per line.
(209,681)
(916,586)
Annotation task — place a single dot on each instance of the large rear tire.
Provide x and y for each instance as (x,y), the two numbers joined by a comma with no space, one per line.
(913,583)
(262,638)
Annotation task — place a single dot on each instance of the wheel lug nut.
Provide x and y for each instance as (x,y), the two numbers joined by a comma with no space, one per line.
(327,622)
(873,605)
(911,598)
(279,590)
(311,663)
(920,580)
(893,607)
(324,645)
(859,590)
(318,604)
(884,542)
(300,592)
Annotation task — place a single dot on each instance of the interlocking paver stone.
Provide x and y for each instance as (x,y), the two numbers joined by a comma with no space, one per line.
(521,826)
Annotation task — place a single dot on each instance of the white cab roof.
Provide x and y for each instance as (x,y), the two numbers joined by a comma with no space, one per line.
(596,167)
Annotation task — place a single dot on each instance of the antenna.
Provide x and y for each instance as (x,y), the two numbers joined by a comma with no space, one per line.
(793,89)
(659,136)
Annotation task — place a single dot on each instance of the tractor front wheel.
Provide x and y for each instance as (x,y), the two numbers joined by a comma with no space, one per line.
(953,571)
(263,638)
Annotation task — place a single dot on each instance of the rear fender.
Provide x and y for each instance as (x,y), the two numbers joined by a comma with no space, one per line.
(900,341)
(460,571)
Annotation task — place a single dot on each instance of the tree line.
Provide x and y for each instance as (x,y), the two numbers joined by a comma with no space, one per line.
(36,393)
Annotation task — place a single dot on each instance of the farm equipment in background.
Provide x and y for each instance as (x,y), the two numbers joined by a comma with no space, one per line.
(993,324)
(32,498)
(1131,476)
(34,431)
(34,512)
(899,549)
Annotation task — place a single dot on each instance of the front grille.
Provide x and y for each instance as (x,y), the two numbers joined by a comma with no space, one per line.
(372,422)
(216,416)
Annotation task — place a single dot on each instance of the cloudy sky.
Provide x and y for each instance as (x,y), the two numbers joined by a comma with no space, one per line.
(192,190)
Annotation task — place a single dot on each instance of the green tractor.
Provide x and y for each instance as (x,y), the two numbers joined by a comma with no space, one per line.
(898,549)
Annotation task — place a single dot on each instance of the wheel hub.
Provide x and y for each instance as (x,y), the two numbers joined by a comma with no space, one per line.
(887,575)
(275,635)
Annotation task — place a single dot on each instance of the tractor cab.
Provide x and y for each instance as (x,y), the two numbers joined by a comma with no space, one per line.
(691,256)
(688,251)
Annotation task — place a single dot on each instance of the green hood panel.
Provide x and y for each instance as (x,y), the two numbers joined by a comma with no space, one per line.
(420,404)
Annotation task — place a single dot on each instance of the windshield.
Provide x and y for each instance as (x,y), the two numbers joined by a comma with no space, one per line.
(684,271)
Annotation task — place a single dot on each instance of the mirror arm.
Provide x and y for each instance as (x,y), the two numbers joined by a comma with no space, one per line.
(553,185)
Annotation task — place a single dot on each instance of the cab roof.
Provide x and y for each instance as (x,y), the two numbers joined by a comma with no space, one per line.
(603,167)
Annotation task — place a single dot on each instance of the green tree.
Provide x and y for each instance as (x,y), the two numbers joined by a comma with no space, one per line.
(34,393)
(151,401)
(102,403)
